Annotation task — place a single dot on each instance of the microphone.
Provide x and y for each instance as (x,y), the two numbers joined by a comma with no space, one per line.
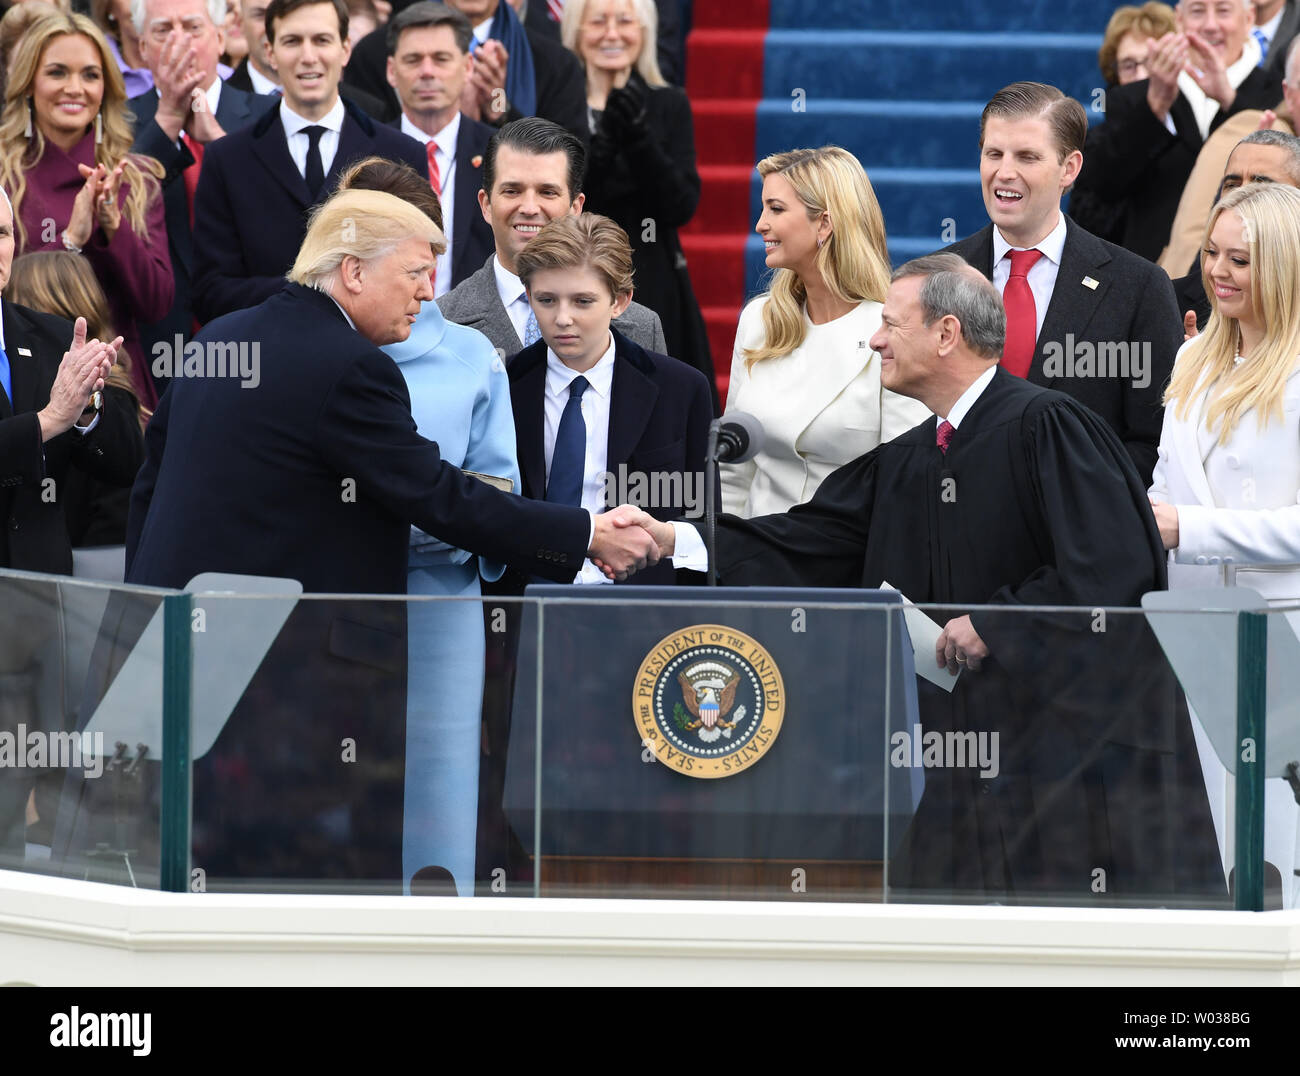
(740,437)
(734,438)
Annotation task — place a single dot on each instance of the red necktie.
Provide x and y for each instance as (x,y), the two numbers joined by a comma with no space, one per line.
(1022,315)
(435,176)
(556,9)
(191,175)
(435,181)
(943,435)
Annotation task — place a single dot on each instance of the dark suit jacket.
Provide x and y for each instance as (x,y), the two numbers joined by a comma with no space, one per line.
(250,211)
(1132,158)
(561,85)
(659,415)
(256,481)
(235,109)
(472,239)
(34,537)
(1132,304)
(630,179)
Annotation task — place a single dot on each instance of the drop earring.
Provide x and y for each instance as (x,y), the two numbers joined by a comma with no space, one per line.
(31,107)
(99,128)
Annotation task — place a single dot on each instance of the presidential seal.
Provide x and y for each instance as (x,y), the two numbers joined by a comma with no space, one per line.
(708,701)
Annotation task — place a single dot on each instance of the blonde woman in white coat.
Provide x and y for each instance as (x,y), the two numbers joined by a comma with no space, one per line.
(802,364)
(1226,487)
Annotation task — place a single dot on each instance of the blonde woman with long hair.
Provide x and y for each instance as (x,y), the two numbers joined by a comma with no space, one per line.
(802,364)
(1226,487)
(65,142)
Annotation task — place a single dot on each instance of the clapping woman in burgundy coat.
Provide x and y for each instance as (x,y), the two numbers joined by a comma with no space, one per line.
(65,140)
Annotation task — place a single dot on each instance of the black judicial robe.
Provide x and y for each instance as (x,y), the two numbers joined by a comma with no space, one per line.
(1036,503)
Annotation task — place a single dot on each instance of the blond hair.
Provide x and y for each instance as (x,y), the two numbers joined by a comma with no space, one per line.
(1270,217)
(359,224)
(647,63)
(18,153)
(589,241)
(852,262)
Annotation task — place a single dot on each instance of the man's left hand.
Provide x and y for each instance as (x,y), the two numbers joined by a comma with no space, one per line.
(1208,71)
(959,646)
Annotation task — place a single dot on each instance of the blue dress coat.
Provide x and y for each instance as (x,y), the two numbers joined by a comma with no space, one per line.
(460,397)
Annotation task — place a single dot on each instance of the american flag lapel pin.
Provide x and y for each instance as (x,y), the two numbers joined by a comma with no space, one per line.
(1089,283)
(25,351)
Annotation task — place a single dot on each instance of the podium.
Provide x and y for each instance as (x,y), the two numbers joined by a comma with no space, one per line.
(674,741)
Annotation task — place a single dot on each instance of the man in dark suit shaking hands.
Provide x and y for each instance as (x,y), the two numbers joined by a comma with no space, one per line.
(318,473)
(258,185)
(1084,316)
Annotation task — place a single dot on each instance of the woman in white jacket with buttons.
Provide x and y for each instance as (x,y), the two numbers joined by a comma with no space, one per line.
(802,364)
(1226,487)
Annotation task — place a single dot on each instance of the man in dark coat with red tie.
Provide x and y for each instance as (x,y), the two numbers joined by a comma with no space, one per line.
(1084,316)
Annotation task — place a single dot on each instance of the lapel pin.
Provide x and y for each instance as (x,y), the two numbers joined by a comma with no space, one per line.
(1088,282)
(476,161)
(24,351)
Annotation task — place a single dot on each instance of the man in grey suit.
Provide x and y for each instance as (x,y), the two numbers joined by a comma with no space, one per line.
(532,173)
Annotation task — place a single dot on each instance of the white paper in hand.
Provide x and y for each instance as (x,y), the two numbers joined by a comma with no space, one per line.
(924,633)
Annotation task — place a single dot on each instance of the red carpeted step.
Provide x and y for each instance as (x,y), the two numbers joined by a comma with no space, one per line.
(725,63)
(717,267)
(725,131)
(722,14)
(724,200)
(721,324)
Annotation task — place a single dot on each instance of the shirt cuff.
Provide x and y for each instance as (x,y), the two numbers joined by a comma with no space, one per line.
(688,548)
(83,430)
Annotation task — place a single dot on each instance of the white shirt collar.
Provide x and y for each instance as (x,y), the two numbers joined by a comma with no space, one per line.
(600,377)
(509,286)
(259,82)
(294,123)
(445,139)
(481,30)
(1052,246)
(1269,29)
(2,325)
(333,300)
(967,399)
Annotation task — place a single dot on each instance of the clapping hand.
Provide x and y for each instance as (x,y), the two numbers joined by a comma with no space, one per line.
(81,374)
(1209,72)
(96,203)
(484,95)
(624,115)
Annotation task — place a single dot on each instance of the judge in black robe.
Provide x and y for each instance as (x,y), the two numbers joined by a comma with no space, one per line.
(1035,503)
